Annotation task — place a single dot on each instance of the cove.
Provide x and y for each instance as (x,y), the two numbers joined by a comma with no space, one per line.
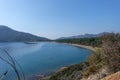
(41,57)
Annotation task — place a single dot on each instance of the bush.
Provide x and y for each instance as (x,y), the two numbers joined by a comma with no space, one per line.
(109,55)
(71,73)
(111,49)
(96,62)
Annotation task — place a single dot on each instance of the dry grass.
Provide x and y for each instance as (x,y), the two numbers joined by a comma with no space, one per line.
(115,76)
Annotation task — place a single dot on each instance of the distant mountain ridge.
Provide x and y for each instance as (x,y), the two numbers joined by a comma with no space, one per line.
(9,35)
(85,35)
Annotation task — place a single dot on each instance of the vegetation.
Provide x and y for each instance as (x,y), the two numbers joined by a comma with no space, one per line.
(73,72)
(94,42)
(111,50)
(108,55)
(96,62)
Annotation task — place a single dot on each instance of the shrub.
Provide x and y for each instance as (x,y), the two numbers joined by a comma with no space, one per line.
(96,61)
(108,55)
(111,49)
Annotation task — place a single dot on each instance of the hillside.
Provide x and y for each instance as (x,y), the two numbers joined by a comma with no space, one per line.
(84,36)
(103,62)
(9,35)
(115,76)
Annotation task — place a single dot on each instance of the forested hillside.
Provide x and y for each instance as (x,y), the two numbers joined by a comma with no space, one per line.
(94,42)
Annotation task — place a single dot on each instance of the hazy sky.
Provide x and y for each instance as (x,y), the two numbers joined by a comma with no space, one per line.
(57,18)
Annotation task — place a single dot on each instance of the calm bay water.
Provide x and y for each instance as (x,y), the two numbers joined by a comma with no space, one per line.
(41,58)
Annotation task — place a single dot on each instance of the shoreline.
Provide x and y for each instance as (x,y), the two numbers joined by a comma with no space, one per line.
(83,46)
(75,45)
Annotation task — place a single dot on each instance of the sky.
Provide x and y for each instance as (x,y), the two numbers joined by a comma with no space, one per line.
(61,18)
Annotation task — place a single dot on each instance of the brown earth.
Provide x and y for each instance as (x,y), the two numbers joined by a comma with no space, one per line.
(115,76)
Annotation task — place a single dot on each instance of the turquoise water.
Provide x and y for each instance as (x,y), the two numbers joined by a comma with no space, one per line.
(41,58)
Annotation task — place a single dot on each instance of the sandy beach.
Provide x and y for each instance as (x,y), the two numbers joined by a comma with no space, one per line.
(83,46)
